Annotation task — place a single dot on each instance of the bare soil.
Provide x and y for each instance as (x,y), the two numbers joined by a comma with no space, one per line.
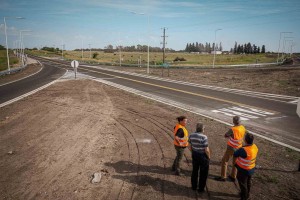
(52,142)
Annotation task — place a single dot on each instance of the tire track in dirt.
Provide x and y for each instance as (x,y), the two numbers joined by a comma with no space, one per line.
(163,129)
(161,150)
(134,159)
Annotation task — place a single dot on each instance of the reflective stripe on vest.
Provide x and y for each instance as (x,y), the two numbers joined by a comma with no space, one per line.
(182,142)
(238,136)
(248,162)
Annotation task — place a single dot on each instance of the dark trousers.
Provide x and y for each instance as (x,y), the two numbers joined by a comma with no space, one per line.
(179,155)
(200,161)
(245,184)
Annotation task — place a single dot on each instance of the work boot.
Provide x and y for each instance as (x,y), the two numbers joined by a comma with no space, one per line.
(220,179)
(173,169)
(231,178)
(177,173)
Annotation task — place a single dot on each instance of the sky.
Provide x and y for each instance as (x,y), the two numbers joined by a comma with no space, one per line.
(98,23)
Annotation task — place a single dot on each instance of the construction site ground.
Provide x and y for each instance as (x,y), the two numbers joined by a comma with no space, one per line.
(52,142)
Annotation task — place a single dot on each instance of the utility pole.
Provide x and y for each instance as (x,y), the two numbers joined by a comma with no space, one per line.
(164,44)
(90,51)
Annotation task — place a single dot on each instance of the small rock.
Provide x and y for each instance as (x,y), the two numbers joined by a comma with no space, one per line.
(104,170)
(10,152)
(75,191)
(136,119)
(96,177)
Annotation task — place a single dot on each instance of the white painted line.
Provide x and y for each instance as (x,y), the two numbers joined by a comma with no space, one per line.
(247,111)
(238,113)
(229,114)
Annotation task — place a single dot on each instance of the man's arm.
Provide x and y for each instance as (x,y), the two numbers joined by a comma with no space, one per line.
(228,133)
(179,134)
(240,153)
(207,151)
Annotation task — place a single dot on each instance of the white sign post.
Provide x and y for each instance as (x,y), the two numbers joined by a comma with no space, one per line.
(75,65)
(298,108)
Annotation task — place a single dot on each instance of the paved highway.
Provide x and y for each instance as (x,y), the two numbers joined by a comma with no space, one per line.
(271,116)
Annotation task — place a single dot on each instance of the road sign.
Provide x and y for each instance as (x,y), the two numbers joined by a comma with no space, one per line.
(74,63)
(298,108)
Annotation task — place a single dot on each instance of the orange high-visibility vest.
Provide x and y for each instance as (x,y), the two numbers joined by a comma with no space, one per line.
(249,162)
(238,136)
(183,142)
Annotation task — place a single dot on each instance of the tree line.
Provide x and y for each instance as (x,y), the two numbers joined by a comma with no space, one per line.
(247,48)
(199,47)
(137,48)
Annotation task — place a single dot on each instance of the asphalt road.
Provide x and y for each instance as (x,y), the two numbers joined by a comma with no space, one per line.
(272,116)
(49,73)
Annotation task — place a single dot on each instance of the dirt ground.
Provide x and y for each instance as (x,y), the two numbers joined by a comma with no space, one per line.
(52,142)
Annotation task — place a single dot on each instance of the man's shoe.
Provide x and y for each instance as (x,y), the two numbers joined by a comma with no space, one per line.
(194,188)
(177,173)
(220,179)
(173,169)
(231,178)
(201,191)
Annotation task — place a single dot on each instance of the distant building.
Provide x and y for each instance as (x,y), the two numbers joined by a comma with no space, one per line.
(217,52)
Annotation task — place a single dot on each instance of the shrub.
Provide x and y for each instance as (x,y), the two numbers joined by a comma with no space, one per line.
(179,59)
(95,55)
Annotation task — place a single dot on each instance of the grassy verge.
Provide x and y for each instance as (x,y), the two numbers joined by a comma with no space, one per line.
(3,60)
(156,58)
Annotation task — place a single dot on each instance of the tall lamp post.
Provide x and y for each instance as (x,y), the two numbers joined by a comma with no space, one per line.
(8,67)
(279,44)
(148,53)
(215,47)
(22,47)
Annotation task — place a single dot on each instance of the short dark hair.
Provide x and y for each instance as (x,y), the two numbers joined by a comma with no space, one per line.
(199,127)
(180,118)
(249,138)
(236,120)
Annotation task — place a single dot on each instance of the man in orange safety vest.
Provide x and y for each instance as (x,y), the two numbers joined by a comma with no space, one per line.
(235,137)
(245,164)
(180,142)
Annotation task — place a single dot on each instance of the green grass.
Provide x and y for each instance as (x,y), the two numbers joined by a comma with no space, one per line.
(3,60)
(156,58)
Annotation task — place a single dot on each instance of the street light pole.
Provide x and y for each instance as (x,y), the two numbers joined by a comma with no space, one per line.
(90,51)
(8,67)
(215,47)
(148,47)
(148,27)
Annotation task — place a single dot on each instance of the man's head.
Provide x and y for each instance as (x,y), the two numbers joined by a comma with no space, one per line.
(236,120)
(182,120)
(249,138)
(199,128)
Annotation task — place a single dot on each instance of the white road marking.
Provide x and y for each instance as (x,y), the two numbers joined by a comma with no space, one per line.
(245,112)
